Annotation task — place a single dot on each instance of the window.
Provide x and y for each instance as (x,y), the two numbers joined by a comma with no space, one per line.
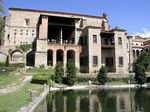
(119,40)
(109,61)
(32,30)
(20,33)
(94,38)
(15,33)
(95,61)
(27,22)
(120,61)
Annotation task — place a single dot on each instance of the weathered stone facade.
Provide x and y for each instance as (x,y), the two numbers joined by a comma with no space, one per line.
(58,36)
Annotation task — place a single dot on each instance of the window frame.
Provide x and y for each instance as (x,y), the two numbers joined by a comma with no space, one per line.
(95,61)
(120,59)
(94,38)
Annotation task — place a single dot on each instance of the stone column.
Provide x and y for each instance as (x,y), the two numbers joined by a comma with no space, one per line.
(43,28)
(61,33)
(54,58)
(77,59)
(65,59)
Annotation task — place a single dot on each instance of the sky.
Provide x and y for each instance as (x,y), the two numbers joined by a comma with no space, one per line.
(131,15)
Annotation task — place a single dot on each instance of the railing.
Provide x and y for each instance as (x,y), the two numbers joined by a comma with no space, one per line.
(54,41)
(108,45)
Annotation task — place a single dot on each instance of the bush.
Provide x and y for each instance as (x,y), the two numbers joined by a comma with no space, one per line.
(2,64)
(102,75)
(59,73)
(21,65)
(7,61)
(140,67)
(25,47)
(41,78)
(71,72)
(140,75)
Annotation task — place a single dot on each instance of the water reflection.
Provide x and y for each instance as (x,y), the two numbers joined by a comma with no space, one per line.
(99,101)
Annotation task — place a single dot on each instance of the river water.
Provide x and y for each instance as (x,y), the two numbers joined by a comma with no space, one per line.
(128,100)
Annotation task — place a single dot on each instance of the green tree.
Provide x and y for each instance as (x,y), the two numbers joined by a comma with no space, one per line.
(7,61)
(71,72)
(140,67)
(59,73)
(102,75)
(140,75)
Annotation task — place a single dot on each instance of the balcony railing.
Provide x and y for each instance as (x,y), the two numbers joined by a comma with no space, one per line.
(54,41)
(109,44)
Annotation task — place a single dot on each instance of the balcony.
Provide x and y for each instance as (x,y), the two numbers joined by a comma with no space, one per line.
(107,43)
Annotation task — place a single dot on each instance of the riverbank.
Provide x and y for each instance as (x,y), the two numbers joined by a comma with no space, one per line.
(81,87)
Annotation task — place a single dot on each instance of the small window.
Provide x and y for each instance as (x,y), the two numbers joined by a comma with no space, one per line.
(27,30)
(32,30)
(132,44)
(94,38)
(15,29)
(121,61)
(20,33)
(119,40)
(32,34)
(27,22)
(20,42)
(26,33)
(15,33)
(21,30)
(95,61)
(136,43)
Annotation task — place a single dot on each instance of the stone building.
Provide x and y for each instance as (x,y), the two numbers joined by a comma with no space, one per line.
(59,36)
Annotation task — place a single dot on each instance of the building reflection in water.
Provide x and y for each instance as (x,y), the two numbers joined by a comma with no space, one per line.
(98,101)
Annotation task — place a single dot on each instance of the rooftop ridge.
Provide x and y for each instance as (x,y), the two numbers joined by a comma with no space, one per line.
(45,11)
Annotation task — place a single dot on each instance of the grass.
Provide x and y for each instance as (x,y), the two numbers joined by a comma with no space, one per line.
(8,79)
(40,71)
(14,101)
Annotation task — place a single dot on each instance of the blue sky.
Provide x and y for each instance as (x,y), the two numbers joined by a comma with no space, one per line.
(132,15)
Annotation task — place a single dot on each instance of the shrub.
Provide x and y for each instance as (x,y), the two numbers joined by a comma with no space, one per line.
(71,72)
(25,47)
(140,75)
(59,73)
(41,78)
(2,64)
(21,65)
(7,61)
(102,75)
(140,66)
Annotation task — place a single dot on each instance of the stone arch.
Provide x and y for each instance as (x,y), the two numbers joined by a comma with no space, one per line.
(17,56)
(50,57)
(71,55)
(59,56)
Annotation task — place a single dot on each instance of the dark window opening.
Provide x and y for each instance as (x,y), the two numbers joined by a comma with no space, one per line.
(95,61)
(120,61)
(94,38)
(119,40)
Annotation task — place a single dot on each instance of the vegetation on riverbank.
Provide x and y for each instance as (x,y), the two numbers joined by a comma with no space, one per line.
(12,102)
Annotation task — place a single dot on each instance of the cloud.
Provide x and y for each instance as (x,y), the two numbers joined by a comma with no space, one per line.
(145,33)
